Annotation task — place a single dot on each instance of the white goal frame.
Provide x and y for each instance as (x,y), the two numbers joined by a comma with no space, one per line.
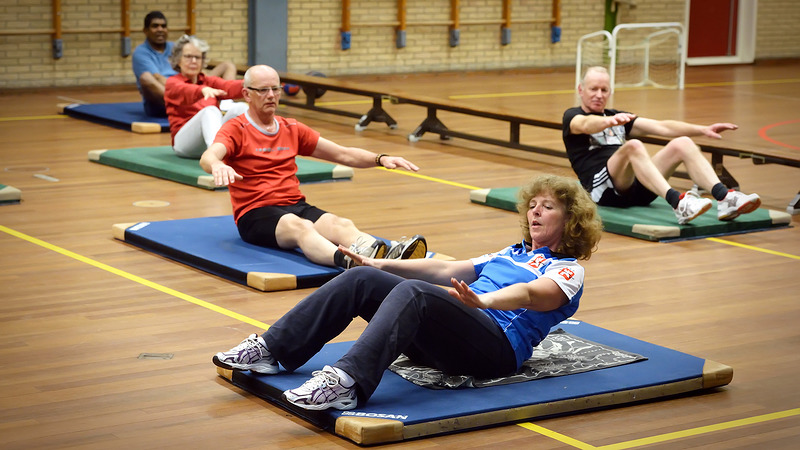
(610,41)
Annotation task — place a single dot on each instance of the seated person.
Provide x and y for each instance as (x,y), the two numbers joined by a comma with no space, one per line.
(192,99)
(254,155)
(618,171)
(499,307)
(151,64)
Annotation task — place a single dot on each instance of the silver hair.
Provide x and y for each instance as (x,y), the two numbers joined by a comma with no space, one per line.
(598,69)
(177,50)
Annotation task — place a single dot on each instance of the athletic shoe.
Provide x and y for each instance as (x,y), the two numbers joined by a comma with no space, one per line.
(367,247)
(690,206)
(251,354)
(323,391)
(736,203)
(413,248)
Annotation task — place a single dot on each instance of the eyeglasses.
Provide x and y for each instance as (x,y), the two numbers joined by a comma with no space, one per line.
(193,57)
(263,91)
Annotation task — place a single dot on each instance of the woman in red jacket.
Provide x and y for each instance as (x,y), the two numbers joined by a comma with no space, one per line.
(192,99)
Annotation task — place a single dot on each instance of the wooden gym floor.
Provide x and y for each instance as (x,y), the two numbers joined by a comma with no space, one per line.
(78,308)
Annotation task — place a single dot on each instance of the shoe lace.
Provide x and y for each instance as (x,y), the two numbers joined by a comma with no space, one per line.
(321,378)
(250,343)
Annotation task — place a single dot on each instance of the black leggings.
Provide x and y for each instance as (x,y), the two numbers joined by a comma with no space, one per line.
(412,317)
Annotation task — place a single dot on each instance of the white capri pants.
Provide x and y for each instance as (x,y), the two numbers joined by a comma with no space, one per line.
(199,132)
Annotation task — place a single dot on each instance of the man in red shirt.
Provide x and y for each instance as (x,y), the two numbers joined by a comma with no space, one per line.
(254,155)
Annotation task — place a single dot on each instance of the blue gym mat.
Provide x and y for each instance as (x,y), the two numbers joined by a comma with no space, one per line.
(401,410)
(213,244)
(655,222)
(127,116)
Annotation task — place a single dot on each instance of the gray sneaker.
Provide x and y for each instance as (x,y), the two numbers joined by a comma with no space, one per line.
(367,247)
(413,248)
(251,354)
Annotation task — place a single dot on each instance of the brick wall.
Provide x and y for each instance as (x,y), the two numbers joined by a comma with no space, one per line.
(314,42)
(96,58)
(778,34)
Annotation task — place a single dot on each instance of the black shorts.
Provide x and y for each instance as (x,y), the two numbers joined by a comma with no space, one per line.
(258,225)
(604,193)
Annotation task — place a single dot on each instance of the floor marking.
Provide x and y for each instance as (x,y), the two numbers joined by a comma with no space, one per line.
(46,177)
(135,278)
(703,430)
(763,134)
(750,247)
(14,119)
(557,436)
(425,177)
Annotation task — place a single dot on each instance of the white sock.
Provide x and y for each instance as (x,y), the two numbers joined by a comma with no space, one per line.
(344,378)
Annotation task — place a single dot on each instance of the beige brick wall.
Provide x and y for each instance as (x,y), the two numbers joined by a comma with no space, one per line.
(95,58)
(314,43)
(778,26)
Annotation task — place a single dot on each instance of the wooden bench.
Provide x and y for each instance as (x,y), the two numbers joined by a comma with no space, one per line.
(311,84)
(433,124)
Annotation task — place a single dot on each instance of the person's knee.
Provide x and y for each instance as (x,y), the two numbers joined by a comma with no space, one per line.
(147,80)
(682,147)
(341,222)
(633,148)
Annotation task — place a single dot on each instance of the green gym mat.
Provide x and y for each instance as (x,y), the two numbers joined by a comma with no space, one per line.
(655,222)
(9,194)
(162,162)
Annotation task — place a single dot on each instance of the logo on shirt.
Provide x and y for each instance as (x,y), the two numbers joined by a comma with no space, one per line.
(537,261)
(566,273)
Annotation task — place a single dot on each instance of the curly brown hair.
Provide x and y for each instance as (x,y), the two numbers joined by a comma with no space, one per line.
(583,227)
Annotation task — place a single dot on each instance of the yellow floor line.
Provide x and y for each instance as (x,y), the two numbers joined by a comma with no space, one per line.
(134,278)
(425,177)
(14,119)
(703,430)
(557,436)
(750,247)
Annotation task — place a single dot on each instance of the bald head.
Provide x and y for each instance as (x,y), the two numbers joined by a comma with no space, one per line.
(260,75)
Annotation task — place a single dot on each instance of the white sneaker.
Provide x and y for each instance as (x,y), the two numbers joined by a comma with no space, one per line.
(323,391)
(413,248)
(251,354)
(737,203)
(690,206)
(368,247)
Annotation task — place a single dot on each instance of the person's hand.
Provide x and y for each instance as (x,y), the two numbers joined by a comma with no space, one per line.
(394,162)
(714,130)
(209,92)
(619,119)
(465,295)
(224,174)
(359,259)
